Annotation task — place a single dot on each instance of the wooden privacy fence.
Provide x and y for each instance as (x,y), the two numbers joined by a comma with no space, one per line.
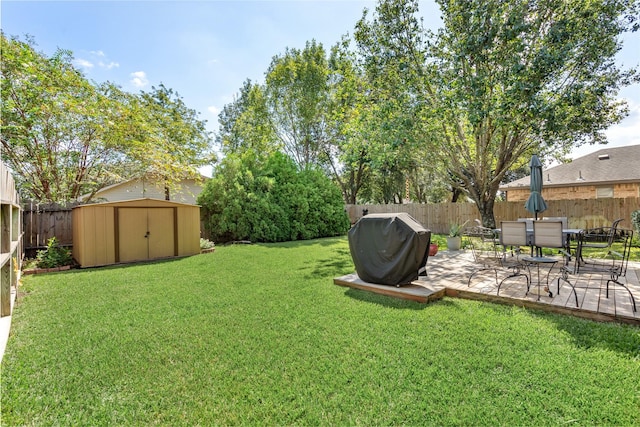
(581,213)
(42,221)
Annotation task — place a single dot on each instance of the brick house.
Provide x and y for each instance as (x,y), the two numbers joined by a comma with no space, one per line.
(607,173)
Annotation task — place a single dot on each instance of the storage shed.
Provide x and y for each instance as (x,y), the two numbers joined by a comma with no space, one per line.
(134,230)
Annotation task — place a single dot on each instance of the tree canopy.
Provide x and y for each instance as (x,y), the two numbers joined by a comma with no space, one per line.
(501,80)
(297,97)
(456,110)
(64,136)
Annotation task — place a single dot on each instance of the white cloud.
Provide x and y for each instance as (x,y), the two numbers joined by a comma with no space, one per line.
(214,111)
(625,133)
(108,66)
(98,58)
(83,63)
(139,79)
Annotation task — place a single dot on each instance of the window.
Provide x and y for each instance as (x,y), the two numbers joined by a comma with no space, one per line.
(604,192)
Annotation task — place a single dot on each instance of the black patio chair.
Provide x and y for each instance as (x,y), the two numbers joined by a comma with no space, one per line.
(595,238)
(614,264)
(484,247)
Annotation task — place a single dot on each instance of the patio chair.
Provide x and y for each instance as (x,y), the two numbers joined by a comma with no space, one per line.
(548,234)
(616,262)
(513,234)
(563,219)
(484,247)
(595,238)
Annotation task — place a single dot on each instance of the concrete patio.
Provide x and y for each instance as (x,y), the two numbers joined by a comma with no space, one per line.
(448,274)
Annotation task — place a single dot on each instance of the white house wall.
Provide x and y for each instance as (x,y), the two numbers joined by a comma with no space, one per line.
(138,189)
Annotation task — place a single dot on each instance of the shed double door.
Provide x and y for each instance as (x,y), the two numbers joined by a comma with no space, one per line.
(145,233)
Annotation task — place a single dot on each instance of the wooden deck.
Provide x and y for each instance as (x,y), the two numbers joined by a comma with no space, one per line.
(448,273)
(419,290)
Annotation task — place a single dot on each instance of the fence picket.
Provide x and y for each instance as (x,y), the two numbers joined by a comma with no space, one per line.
(581,213)
(43,221)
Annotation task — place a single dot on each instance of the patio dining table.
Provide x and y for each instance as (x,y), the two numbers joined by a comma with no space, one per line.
(548,262)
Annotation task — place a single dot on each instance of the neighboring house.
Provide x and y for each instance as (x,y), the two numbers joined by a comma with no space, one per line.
(607,173)
(140,188)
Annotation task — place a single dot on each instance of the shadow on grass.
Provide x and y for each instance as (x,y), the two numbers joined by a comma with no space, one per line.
(389,302)
(337,265)
(296,244)
(585,334)
(329,268)
(589,334)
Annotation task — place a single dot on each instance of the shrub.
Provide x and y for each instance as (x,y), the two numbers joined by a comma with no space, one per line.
(206,244)
(271,201)
(54,256)
(635,220)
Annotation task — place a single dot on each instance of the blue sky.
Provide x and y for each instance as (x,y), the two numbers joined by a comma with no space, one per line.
(206,49)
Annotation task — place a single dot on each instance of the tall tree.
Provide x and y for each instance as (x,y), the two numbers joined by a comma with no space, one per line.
(245,124)
(346,152)
(65,137)
(403,145)
(55,127)
(172,142)
(297,96)
(503,79)
(310,108)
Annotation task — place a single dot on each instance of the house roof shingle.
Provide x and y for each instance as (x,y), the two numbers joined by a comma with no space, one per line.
(609,165)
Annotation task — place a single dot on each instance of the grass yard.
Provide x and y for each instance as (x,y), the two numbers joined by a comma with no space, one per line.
(260,335)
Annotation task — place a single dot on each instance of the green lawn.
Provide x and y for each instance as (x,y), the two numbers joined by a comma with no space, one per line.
(260,335)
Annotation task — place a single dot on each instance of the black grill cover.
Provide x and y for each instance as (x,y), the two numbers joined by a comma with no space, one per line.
(389,249)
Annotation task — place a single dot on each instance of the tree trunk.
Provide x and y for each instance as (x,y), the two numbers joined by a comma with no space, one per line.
(485,207)
(456,192)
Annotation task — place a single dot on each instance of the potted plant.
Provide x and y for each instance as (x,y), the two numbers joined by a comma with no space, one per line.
(433,249)
(454,239)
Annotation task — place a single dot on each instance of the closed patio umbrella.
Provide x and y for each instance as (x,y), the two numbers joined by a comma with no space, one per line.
(535,203)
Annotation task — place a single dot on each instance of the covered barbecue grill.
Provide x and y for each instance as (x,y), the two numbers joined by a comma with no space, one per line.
(389,249)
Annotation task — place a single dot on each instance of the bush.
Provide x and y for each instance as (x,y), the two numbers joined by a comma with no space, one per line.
(53,256)
(635,220)
(271,201)
(206,244)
